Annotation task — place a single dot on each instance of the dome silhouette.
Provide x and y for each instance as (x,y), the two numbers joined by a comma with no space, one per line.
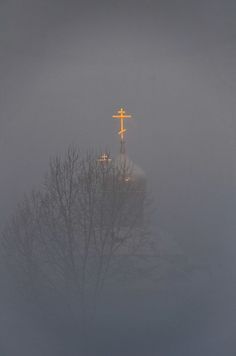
(132,171)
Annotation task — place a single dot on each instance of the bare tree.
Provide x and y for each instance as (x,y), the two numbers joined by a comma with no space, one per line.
(66,238)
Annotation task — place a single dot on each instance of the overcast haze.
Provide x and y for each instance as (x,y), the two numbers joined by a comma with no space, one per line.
(67,66)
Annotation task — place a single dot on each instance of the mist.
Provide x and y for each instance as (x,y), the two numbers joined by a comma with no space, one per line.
(66,68)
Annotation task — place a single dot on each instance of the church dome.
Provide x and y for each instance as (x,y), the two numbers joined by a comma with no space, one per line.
(125,165)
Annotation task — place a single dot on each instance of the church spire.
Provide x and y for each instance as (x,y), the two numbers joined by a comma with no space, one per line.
(121,114)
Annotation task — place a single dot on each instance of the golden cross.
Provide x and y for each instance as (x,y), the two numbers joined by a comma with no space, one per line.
(122,115)
(104,158)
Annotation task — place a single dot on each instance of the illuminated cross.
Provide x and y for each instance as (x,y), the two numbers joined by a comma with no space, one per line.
(122,115)
(104,158)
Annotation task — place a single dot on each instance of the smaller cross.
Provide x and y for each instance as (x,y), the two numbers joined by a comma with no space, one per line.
(104,158)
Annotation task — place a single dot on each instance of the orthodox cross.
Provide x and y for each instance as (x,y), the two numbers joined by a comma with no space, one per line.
(104,158)
(122,115)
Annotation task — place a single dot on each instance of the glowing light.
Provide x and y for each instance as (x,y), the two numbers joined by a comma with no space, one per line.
(104,158)
(122,115)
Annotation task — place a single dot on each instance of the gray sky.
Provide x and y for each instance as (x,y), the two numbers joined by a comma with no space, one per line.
(66,66)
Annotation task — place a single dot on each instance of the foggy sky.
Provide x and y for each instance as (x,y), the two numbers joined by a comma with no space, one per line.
(67,66)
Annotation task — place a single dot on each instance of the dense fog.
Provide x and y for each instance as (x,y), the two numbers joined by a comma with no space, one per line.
(66,68)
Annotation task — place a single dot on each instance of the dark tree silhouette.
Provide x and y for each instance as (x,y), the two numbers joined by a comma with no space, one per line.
(66,238)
